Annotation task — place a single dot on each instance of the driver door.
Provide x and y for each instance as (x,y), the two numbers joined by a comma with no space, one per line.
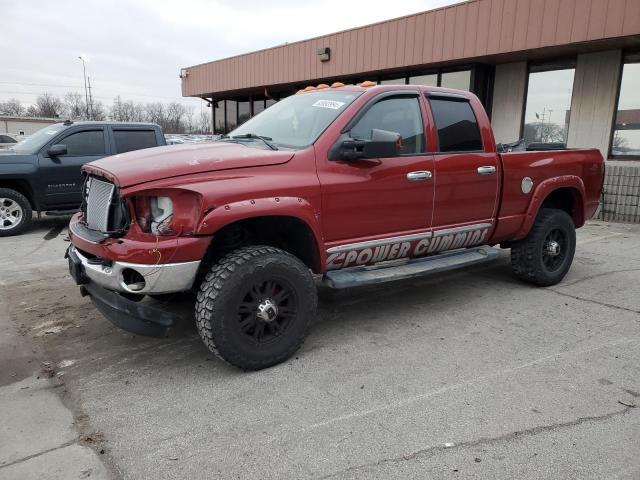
(380,198)
(60,177)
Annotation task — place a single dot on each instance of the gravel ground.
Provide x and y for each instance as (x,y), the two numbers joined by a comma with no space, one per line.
(471,374)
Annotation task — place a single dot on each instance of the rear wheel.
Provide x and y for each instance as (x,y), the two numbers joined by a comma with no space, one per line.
(545,255)
(15,212)
(254,306)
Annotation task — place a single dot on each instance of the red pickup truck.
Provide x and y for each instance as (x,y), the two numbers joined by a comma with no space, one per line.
(357,184)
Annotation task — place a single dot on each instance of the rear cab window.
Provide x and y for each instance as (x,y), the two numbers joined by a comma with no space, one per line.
(127,140)
(457,126)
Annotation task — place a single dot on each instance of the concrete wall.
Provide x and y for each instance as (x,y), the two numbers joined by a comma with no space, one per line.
(594,100)
(592,109)
(28,126)
(508,100)
(621,197)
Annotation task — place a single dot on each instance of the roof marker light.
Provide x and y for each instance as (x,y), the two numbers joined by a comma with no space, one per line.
(337,84)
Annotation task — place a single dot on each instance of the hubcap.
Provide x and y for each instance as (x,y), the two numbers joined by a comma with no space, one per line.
(266,310)
(10,213)
(554,249)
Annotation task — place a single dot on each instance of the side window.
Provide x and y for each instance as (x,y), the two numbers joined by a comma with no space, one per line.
(395,114)
(90,142)
(457,126)
(128,140)
(6,139)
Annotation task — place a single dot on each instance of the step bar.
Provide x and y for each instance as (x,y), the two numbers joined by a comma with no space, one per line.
(418,267)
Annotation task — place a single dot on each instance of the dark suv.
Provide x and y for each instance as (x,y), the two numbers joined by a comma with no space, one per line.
(42,172)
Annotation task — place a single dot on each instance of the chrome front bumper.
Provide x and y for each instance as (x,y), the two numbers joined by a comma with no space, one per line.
(163,278)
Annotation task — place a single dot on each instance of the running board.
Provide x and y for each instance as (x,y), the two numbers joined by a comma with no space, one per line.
(367,275)
(60,213)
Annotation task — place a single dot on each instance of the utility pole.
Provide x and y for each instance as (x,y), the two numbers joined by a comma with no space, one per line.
(86,93)
(90,100)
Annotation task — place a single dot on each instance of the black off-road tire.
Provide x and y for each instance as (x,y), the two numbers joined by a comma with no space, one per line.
(231,285)
(531,261)
(25,206)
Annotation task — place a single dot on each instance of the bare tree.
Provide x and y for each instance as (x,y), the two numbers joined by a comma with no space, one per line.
(48,105)
(619,144)
(127,111)
(12,107)
(544,132)
(156,114)
(74,106)
(203,123)
(189,120)
(175,115)
(98,111)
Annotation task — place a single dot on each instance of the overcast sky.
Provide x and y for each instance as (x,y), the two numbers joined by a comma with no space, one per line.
(136,49)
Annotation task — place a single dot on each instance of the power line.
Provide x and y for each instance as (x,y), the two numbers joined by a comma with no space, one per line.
(119,92)
(104,97)
(41,84)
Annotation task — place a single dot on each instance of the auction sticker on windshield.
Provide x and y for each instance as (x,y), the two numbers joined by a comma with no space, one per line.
(335,105)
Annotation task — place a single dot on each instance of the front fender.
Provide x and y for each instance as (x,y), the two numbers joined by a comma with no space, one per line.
(295,207)
(544,189)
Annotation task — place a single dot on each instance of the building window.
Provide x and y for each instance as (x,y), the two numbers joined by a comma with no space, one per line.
(625,142)
(219,117)
(430,80)
(548,106)
(244,112)
(232,115)
(258,106)
(269,102)
(393,81)
(459,80)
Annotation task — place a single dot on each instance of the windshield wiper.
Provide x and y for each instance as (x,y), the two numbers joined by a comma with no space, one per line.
(266,140)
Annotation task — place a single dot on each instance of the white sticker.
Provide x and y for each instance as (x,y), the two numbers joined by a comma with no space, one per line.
(333,104)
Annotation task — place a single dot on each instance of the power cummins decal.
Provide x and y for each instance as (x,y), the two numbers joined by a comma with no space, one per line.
(416,246)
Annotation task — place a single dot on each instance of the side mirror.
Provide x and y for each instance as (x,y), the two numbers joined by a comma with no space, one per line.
(57,150)
(382,144)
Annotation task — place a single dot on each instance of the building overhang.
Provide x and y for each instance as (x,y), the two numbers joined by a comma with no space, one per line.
(465,33)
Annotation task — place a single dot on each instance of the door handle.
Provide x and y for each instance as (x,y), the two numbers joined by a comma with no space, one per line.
(419,175)
(487,170)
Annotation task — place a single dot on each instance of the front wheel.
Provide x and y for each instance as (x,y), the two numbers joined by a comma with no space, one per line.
(15,212)
(545,255)
(254,307)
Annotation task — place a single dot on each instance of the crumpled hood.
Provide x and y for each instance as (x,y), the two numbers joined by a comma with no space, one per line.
(148,165)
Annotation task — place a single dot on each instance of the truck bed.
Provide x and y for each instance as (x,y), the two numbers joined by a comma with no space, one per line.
(581,168)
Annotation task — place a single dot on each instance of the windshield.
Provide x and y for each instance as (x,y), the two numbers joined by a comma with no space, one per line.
(297,121)
(34,142)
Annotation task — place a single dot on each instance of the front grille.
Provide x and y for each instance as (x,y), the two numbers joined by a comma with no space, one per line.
(98,198)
